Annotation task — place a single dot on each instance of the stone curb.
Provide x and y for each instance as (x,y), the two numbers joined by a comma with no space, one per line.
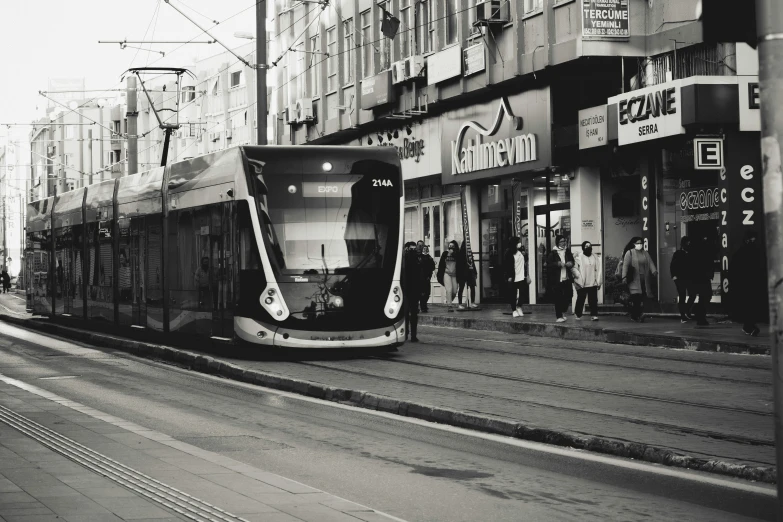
(364,399)
(605,335)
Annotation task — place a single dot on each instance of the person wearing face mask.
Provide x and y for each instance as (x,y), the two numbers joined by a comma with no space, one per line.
(560,263)
(638,273)
(587,281)
(515,271)
(681,270)
(748,282)
(447,273)
(427,265)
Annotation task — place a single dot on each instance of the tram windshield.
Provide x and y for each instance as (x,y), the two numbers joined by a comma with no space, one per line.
(329,224)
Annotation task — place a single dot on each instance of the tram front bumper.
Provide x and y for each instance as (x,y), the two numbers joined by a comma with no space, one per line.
(255,332)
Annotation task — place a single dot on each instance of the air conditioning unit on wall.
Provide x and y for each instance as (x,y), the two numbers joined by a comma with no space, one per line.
(413,66)
(492,12)
(398,72)
(290,114)
(304,110)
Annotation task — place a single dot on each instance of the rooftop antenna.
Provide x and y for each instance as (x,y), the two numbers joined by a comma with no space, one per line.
(167,127)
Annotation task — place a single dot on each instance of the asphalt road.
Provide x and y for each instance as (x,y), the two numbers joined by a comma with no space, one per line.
(411,469)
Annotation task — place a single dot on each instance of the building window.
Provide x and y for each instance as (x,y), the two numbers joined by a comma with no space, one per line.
(452,6)
(67,159)
(406,28)
(331,61)
(215,87)
(432,19)
(69,131)
(533,5)
(382,61)
(367,45)
(348,51)
(314,66)
(236,78)
(188,93)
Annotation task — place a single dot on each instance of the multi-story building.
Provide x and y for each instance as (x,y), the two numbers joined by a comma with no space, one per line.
(14,169)
(517,109)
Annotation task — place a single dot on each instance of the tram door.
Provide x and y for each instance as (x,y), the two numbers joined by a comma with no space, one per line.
(201,270)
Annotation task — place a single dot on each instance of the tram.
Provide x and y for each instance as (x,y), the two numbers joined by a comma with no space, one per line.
(295,247)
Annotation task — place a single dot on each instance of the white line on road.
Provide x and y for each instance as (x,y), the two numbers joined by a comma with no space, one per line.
(693,476)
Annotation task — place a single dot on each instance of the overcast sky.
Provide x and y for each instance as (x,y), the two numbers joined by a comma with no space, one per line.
(59,39)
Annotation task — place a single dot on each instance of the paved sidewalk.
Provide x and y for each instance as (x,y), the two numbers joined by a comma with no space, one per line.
(128,472)
(655,331)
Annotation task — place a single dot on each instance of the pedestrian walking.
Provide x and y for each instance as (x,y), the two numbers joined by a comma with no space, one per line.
(427,266)
(560,263)
(6,280)
(638,271)
(466,275)
(447,273)
(702,259)
(681,270)
(748,281)
(411,289)
(515,270)
(588,280)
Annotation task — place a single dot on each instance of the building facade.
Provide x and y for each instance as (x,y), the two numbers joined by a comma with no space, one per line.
(510,109)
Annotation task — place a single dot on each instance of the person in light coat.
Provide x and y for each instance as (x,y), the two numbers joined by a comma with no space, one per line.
(588,279)
(638,273)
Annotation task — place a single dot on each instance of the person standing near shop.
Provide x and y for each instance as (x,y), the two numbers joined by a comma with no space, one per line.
(411,289)
(748,283)
(681,270)
(560,263)
(466,275)
(447,273)
(427,266)
(588,280)
(515,270)
(703,271)
(638,273)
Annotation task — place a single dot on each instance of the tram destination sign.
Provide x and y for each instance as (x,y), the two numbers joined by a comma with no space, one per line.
(605,19)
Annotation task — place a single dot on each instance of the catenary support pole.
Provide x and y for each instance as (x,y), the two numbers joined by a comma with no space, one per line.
(261,102)
(769,23)
(132,114)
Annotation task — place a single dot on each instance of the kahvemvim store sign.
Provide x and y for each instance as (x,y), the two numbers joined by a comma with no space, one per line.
(505,136)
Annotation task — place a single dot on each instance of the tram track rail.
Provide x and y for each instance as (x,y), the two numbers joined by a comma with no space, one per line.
(162,494)
(603,363)
(660,425)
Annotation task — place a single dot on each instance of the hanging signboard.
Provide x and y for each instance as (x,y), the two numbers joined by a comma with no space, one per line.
(592,127)
(474,59)
(605,19)
(649,113)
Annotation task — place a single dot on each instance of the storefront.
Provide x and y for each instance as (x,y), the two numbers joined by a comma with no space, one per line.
(696,173)
(499,153)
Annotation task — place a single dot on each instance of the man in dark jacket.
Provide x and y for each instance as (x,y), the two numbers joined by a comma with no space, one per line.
(427,265)
(747,283)
(681,270)
(411,288)
(560,278)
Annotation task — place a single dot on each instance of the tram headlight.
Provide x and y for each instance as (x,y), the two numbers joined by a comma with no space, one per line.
(394,301)
(273,304)
(269,300)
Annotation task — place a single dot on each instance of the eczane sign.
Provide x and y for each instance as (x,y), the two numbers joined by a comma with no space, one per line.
(649,113)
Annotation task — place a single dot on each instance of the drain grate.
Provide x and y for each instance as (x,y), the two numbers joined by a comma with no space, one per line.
(154,490)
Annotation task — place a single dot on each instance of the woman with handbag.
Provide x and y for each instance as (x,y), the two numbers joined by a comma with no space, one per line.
(638,273)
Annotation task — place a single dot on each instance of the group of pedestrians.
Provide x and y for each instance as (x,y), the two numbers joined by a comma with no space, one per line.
(454,273)
(564,272)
